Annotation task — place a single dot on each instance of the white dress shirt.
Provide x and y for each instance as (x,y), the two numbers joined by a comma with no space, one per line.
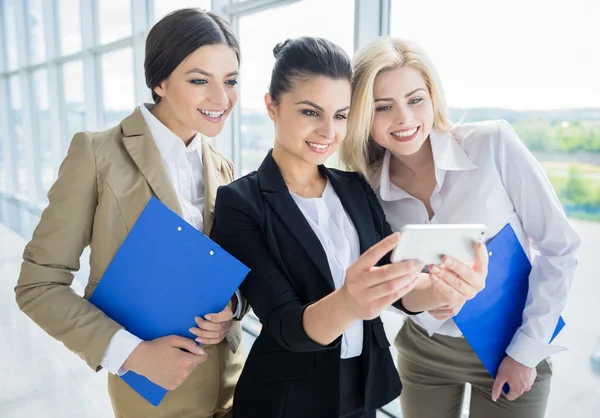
(485,174)
(339,239)
(186,173)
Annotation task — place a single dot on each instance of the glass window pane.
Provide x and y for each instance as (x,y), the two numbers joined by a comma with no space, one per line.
(291,21)
(42,121)
(69,26)
(114,20)
(35,15)
(117,85)
(74,97)
(163,7)
(545,83)
(16,121)
(10,33)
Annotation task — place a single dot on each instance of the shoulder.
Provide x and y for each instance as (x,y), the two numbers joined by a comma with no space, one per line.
(243,194)
(493,135)
(225,163)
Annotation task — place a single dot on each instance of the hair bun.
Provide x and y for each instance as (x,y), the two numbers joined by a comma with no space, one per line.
(280,47)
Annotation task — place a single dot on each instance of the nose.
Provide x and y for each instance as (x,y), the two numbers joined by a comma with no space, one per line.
(327,129)
(403,116)
(218,96)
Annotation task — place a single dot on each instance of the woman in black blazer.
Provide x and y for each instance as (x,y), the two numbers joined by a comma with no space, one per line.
(301,228)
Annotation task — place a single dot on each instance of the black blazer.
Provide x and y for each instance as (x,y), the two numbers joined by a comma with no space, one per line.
(287,374)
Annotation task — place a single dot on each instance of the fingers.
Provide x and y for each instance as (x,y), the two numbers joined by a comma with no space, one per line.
(186,344)
(208,325)
(481,258)
(209,337)
(225,315)
(389,272)
(463,288)
(392,286)
(446,312)
(387,300)
(372,256)
(497,388)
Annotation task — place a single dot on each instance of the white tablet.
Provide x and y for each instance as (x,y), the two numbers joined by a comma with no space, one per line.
(429,243)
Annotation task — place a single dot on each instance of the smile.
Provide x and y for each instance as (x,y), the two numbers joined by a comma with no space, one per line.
(406,134)
(212,113)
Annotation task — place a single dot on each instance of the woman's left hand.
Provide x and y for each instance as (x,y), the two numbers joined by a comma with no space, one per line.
(456,282)
(214,328)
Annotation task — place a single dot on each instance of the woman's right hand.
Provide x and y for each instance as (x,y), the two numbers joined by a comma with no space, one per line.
(369,289)
(164,361)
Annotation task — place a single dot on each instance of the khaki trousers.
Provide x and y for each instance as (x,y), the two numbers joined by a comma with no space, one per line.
(434,371)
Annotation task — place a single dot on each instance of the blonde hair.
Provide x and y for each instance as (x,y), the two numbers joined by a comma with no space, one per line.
(359,152)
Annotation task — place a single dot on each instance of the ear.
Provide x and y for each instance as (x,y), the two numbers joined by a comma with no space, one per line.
(271,107)
(161,89)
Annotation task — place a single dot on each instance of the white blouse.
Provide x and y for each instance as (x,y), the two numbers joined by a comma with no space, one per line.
(337,234)
(485,174)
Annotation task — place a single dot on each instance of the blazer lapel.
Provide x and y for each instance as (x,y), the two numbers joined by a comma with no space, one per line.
(278,196)
(355,203)
(211,163)
(143,150)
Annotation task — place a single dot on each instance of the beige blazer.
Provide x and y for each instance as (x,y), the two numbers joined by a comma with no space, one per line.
(103,185)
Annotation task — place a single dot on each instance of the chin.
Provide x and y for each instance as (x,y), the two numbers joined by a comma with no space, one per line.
(211,130)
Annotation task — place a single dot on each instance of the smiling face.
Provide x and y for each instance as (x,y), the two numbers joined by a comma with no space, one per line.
(403,111)
(201,92)
(311,118)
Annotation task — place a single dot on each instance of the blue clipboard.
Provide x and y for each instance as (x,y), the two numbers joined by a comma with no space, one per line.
(490,320)
(164,275)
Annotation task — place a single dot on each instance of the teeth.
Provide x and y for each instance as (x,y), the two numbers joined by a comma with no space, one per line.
(212,114)
(317,146)
(405,133)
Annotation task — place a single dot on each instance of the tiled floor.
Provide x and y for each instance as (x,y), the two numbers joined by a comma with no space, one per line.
(40,378)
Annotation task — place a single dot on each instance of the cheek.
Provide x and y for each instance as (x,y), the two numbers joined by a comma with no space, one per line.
(233,97)
(379,129)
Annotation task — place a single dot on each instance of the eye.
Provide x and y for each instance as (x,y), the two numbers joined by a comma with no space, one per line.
(341,117)
(415,101)
(383,108)
(199,82)
(310,113)
(231,83)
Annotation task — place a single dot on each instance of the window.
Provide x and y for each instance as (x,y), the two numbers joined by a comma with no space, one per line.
(117,85)
(72,73)
(10,34)
(257,61)
(35,16)
(16,122)
(69,26)
(114,20)
(163,7)
(511,63)
(43,130)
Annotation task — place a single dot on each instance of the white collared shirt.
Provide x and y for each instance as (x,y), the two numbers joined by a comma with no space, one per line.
(337,234)
(186,173)
(485,174)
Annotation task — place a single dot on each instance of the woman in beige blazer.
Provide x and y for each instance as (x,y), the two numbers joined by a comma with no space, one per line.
(104,183)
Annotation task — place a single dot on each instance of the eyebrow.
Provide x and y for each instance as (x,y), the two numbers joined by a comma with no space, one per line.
(206,73)
(407,95)
(319,108)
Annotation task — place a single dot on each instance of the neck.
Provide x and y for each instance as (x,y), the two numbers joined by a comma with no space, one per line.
(418,165)
(300,177)
(163,113)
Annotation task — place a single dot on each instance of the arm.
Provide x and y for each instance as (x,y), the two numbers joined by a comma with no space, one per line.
(43,290)
(266,287)
(295,325)
(551,234)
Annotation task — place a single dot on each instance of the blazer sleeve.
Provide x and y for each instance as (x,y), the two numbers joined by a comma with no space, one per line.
(380,221)
(43,289)
(267,288)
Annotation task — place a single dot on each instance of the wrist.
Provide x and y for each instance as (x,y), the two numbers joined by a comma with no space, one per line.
(344,304)
(136,358)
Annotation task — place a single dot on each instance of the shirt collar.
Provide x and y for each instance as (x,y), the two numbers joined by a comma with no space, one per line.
(169,144)
(448,155)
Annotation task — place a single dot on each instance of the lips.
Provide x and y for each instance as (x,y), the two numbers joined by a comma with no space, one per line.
(318,148)
(405,135)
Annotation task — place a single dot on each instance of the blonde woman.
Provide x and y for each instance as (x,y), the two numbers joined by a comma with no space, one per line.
(426,170)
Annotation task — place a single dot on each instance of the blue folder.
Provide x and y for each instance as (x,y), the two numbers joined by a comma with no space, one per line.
(490,320)
(164,275)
